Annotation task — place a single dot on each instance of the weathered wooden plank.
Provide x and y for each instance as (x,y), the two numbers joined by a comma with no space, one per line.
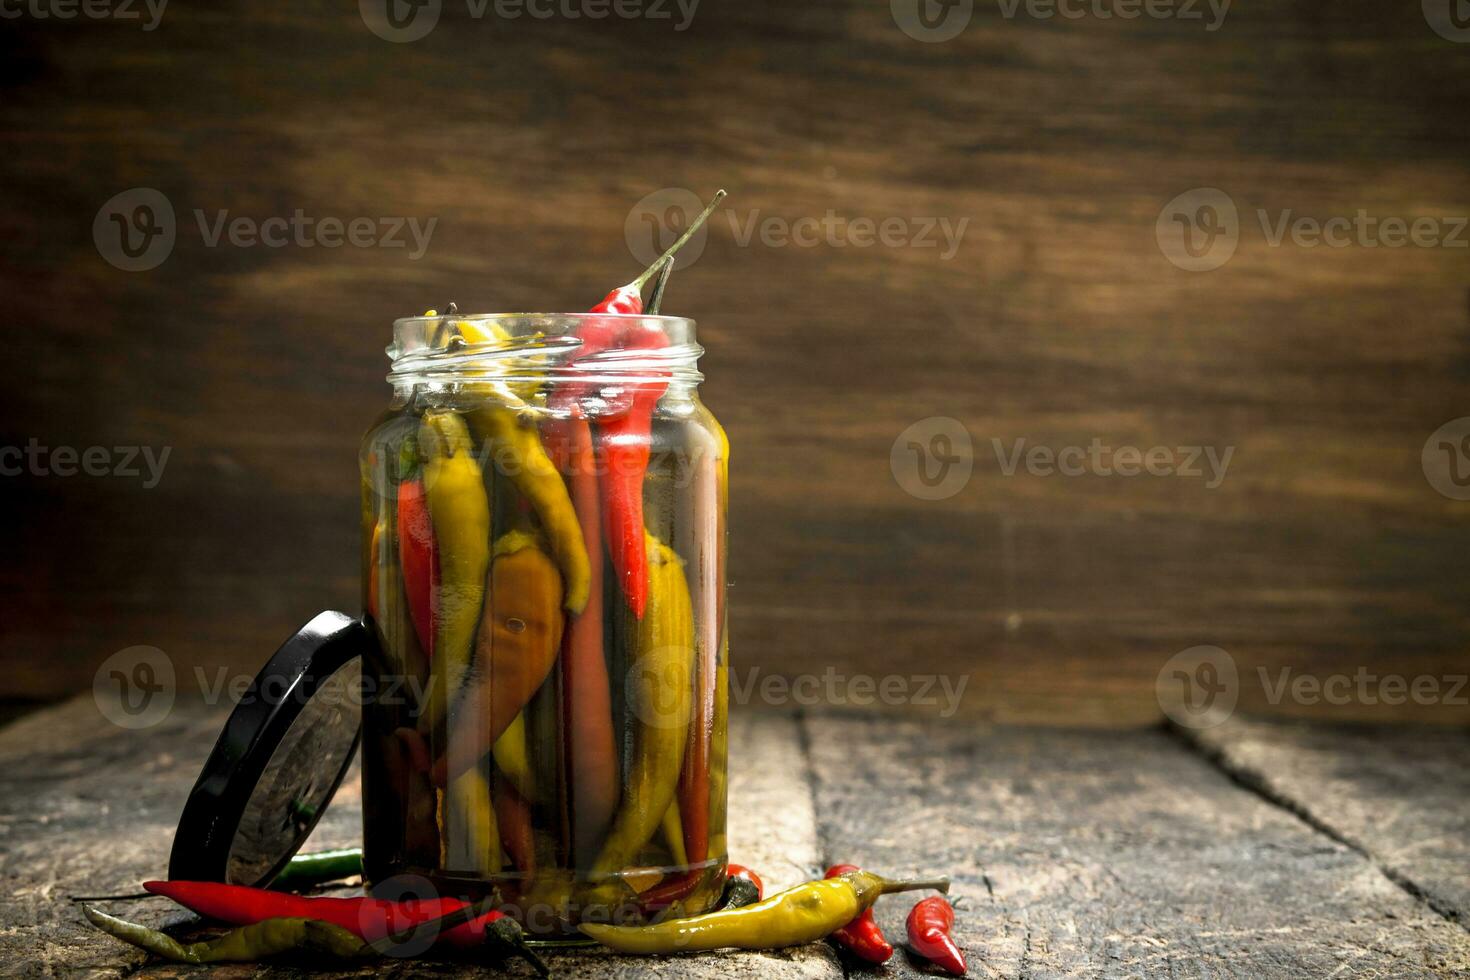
(1122,855)
(89,809)
(1398,794)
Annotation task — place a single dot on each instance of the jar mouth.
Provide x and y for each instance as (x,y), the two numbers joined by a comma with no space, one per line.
(537,346)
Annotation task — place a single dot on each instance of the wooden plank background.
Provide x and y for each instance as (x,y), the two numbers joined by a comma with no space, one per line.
(1058,320)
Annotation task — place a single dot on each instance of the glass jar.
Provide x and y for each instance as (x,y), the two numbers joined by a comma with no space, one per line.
(543,561)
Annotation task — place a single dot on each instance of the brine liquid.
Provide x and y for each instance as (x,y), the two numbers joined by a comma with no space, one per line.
(512,823)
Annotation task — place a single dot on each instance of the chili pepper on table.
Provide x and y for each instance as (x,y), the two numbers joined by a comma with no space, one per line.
(794,917)
(658,695)
(517,644)
(861,936)
(305,870)
(460,513)
(247,944)
(371,919)
(929,924)
(589,741)
(739,876)
(742,887)
(508,426)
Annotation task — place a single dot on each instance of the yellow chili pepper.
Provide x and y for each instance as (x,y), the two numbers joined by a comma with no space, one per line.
(460,513)
(471,837)
(389,606)
(508,426)
(517,644)
(512,759)
(797,916)
(673,829)
(659,688)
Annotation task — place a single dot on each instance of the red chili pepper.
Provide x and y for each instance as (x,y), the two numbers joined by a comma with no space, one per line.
(419,559)
(741,871)
(676,887)
(929,924)
(588,741)
(369,918)
(626,433)
(625,451)
(862,936)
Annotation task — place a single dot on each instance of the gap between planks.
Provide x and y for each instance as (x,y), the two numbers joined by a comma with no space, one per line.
(1216,749)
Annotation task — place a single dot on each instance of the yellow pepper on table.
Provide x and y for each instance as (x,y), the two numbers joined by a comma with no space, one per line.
(794,917)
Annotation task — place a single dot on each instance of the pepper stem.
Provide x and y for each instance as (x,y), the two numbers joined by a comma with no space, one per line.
(680,241)
(940,885)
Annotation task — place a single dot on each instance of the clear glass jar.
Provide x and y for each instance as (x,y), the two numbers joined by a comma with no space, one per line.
(543,559)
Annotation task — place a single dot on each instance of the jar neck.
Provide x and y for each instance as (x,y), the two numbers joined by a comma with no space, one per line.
(581,350)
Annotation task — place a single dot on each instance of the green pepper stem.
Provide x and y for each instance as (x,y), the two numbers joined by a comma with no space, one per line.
(679,242)
(940,885)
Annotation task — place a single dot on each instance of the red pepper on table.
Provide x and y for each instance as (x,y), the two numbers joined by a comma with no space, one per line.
(929,924)
(675,888)
(862,936)
(419,559)
(368,918)
(626,434)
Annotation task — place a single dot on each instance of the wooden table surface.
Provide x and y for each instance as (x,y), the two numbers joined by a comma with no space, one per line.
(1252,850)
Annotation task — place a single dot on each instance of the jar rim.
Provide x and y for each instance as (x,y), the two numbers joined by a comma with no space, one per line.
(507,344)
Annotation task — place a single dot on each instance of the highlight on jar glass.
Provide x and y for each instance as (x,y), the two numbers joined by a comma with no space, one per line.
(544,546)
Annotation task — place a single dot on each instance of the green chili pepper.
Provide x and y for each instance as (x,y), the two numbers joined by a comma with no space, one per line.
(243,945)
(306,870)
(797,916)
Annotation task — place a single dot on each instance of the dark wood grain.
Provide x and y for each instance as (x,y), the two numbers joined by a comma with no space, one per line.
(1058,321)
